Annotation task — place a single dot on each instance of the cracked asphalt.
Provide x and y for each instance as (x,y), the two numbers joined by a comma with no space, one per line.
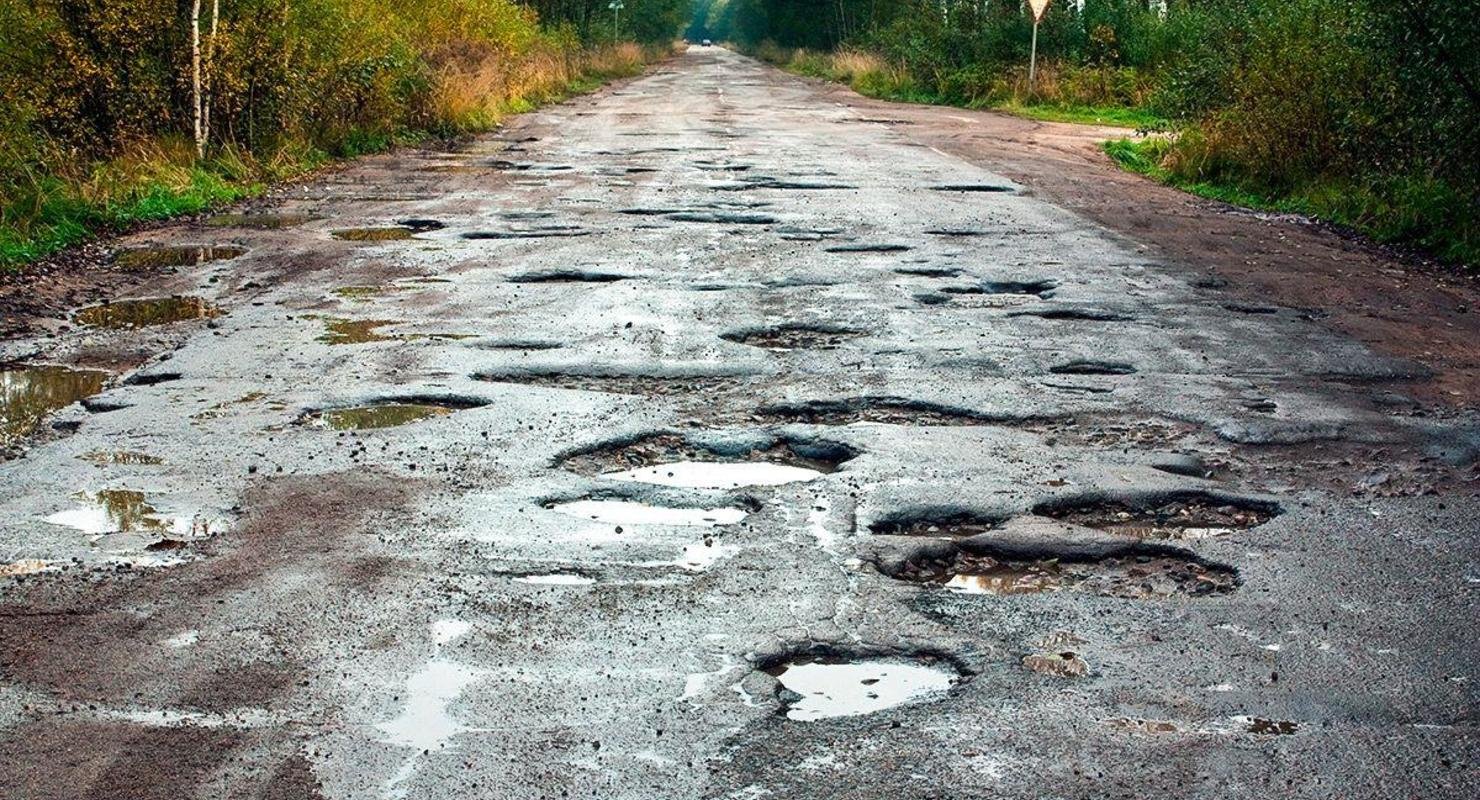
(318,543)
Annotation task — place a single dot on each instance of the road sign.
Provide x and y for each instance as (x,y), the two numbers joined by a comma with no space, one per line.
(1039,7)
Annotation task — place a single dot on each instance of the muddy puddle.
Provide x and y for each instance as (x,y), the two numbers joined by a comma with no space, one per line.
(815,689)
(264,221)
(673,460)
(883,410)
(390,233)
(643,385)
(29,393)
(945,525)
(624,512)
(1132,574)
(126,314)
(794,336)
(1189,515)
(161,257)
(389,414)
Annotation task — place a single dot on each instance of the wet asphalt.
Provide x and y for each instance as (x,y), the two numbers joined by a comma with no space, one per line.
(353,553)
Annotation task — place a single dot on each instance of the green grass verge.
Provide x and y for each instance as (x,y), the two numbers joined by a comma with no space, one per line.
(1117,116)
(1407,210)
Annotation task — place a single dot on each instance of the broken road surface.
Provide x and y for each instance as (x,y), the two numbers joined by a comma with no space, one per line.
(707,438)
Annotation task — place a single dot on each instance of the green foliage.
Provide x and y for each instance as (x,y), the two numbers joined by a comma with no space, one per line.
(96,95)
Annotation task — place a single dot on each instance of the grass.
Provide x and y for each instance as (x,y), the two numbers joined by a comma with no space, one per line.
(1118,116)
(1392,209)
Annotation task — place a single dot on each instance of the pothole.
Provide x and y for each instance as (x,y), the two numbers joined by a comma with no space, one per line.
(385,234)
(548,232)
(794,336)
(616,383)
(670,459)
(146,312)
(937,524)
(929,272)
(29,394)
(623,511)
(955,232)
(1062,664)
(1084,314)
(796,233)
(388,414)
(759,182)
(567,276)
(882,247)
(991,188)
(1092,367)
(1183,515)
(1268,727)
(159,257)
(123,457)
(125,511)
(267,221)
(829,686)
(885,410)
(1037,288)
(1134,572)
(722,217)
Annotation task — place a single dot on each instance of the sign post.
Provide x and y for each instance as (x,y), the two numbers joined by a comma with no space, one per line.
(1038,7)
(616,7)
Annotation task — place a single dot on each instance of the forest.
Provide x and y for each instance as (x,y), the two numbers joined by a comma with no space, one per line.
(114,111)
(1362,112)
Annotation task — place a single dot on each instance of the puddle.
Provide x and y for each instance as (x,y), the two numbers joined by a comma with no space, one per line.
(867,248)
(883,410)
(716,474)
(1037,288)
(828,688)
(381,415)
(958,525)
(557,579)
(144,313)
(1092,368)
(973,187)
(125,457)
(632,512)
(567,276)
(123,511)
(794,336)
(1188,515)
(1131,573)
(355,331)
(385,234)
(1064,664)
(424,722)
(645,385)
(265,221)
(159,257)
(672,460)
(29,394)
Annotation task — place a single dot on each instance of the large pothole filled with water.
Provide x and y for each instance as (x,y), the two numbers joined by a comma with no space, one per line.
(832,685)
(1180,515)
(388,413)
(29,393)
(1134,572)
(676,460)
(125,314)
(186,256)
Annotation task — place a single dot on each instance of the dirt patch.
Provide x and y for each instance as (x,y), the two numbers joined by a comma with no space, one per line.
(1137,572)
(261,221)
(1183,515)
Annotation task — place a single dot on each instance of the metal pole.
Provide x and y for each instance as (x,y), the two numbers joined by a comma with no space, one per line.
(1033,57)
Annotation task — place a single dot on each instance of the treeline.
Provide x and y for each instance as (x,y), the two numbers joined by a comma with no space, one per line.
(1362,111)
(114,110)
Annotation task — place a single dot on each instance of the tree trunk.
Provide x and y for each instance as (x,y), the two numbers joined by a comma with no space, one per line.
(210,69)
(200,142)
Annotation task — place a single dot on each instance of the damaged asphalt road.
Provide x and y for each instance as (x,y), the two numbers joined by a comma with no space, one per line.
(701,438)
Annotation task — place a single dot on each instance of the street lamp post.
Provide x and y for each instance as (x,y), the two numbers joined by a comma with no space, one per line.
(616,7)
